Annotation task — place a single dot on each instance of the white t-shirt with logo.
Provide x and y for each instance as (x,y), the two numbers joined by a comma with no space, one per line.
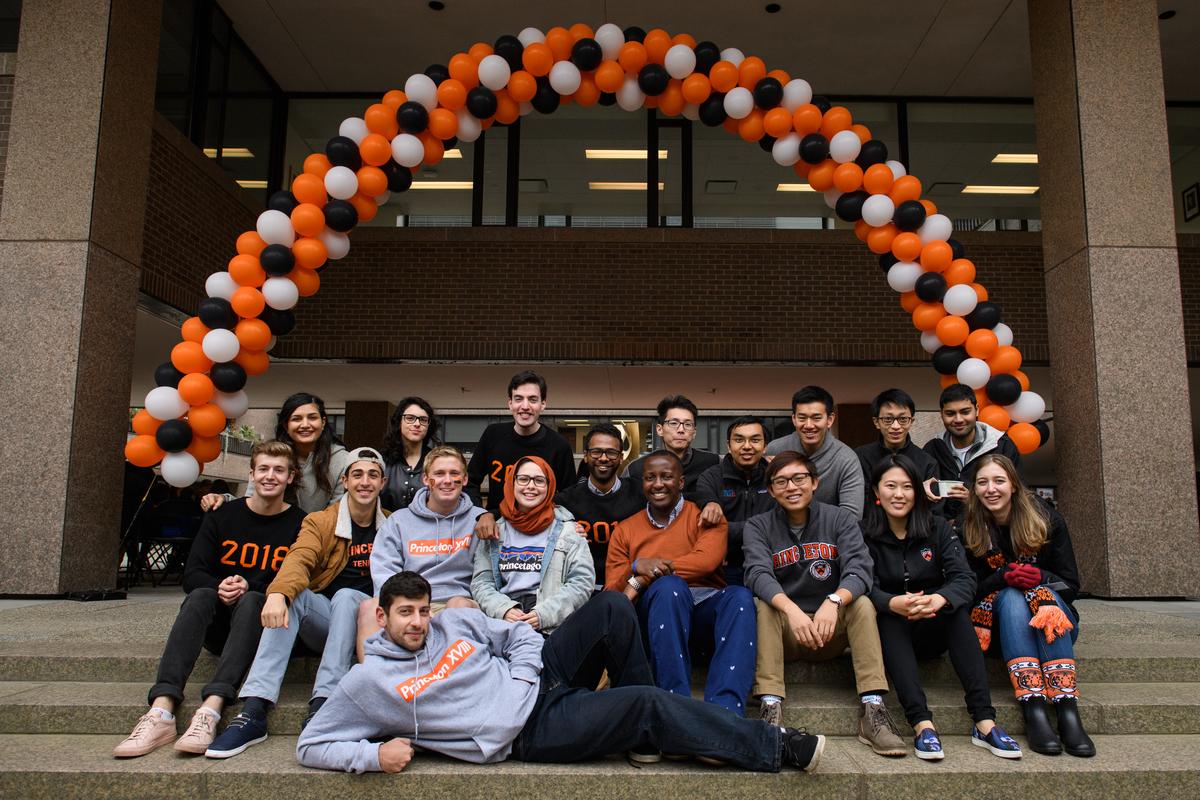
(521,561)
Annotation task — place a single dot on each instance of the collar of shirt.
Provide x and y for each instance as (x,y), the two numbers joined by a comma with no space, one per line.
(674,513)
(596,491)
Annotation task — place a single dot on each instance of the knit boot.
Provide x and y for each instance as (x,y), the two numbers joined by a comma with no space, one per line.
(1074,738)
(1041,736)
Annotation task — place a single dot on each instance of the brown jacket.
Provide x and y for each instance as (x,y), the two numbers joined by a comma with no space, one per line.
(321,550)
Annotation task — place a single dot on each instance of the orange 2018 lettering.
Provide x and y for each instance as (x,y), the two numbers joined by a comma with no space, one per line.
(248,555)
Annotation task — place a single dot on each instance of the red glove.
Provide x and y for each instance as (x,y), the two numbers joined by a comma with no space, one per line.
(1023,576)
(1012,576)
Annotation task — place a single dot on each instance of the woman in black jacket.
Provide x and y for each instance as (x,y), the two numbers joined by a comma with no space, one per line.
(412,432)
(1021,552)
(923,592)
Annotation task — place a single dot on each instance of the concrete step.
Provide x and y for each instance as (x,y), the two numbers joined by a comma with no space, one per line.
(63,707)
(63,767)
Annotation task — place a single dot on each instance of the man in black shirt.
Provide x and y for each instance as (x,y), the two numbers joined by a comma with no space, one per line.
(677,428)
(893,412)
(602,499)
(236,554)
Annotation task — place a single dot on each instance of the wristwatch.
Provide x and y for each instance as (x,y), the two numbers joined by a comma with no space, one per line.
(834,598)
(634,583)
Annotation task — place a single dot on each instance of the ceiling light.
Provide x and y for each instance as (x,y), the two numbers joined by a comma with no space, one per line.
(1015,158)
(630,154)
(252,184)
(621,186)
(453,152)
(576,423)
(229,152)
(983,189)
(794,187)
(441,185)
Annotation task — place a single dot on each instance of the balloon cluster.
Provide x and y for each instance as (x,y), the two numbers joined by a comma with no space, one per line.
(249,303)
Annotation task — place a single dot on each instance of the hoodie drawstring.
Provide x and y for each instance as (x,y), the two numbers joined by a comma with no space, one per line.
(416,674)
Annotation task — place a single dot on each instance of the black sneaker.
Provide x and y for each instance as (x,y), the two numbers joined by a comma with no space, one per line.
(802,749)
(243,731)
(314,706)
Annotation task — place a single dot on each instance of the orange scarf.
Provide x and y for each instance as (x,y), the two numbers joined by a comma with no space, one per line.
(536,519)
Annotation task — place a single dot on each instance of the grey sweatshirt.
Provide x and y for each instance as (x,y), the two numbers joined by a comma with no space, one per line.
(841,478)
(437,547)
(466,694)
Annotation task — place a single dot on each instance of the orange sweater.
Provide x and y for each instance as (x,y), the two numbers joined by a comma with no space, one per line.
(697,553)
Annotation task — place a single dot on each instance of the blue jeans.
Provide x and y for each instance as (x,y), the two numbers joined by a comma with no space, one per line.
(723,625)
(1036,667)
(329,627)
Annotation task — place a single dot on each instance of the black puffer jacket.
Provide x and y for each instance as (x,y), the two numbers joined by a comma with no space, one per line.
(933,565)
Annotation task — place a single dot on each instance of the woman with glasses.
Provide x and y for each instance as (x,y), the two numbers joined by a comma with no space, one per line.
(540,570)
(412,432)
(923,591)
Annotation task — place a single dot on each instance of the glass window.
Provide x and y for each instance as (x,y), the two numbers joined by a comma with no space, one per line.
(1183,135)
(10,25)
(173,91)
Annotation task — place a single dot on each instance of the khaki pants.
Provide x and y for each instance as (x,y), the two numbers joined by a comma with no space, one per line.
(855,627)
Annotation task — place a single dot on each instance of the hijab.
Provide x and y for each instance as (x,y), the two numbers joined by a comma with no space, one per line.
(538,518)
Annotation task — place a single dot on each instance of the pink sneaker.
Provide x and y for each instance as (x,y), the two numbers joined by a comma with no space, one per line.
(200,732)
(150,733)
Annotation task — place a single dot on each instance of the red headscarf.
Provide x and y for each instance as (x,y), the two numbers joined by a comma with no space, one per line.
(536,519)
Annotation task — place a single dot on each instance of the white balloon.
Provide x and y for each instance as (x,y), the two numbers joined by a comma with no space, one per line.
(610,37)
(164,403)
(960,300)
(902,276)
(279,293)
(739,102)
(733,55)
(844,146)
(341,182)
(420,88)
(530,36)
(629,96)
(974,372)
(275,227)
(180,469)
(221,344)
(692,111)
(274,340)
(831,197)
(234,404)
(937,228)
(1004,334)
(565,78)
(353,128)
(382,199)
(1029,407)
(337,244)
(220,284)
(898,170)
(468,126)
(494,72)
(930,342)
(786,150)
(407,150)
(526,108)
(878,209)
(680,61)
(796,93)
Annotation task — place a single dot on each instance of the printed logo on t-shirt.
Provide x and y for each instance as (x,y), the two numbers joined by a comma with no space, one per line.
(438,547)
(727,492)
(927,554)
(360,555)
(598,532)
(454,656)
(805,552)
(821,570)
(521,559)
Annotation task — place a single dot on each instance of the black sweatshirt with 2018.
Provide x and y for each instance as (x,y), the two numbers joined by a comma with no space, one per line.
(501,447)
(600,514)
(233,540)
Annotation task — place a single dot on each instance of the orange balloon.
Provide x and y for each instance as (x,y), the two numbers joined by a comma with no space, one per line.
(435,151)
(863,133)
(193,330)
(750,127)
(206,420)
(982,401)
(247,271)
(723,76)
(778,75)
(464,70)
(479,51)
(820,177)
(559,40)
(632,57)
(375,149)
(143,451)
(982,344)
(609,77)
(878,179)
(442,124)
(1006,360)
(671,101)
(909,300)
(254,334)
(311,253)
(835,120)
(947,381)
(307,282)
(848,177)
(696,89)
(1022,378)
(980,291)
(751,71)
(255,362)
(1025,437)
(684,38)
(928,315)
(381,119)
(586,95)
(507,109)
(537,59)
(961,270)
(522,86)
(861,229)
(906,187)
(806,119)
(197,388)
(930,207)
(145,424)
(952,331)
(205,448)
(936,256)
(906,246)
(309,220)
(248,302)
(802,168)
(879,240)
(317,164)
(307,189)
(657,43)
(251,244)
(730,125)
(366,208)
(394,98)
(452,94)
(778,122)
(188,357)
(580,31)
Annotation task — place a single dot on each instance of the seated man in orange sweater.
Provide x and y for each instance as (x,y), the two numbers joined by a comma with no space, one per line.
(669,565)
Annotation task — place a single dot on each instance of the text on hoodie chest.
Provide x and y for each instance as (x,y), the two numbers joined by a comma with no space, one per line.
(454,657)
(810,551)
(438,547)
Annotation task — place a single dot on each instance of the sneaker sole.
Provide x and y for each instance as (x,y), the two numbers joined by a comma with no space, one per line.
(145,750)
(210,753)
(893,753)
(996,752)
(644,758)
(816,756)
(928,756)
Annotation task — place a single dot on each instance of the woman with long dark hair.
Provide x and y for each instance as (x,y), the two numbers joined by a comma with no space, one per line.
(923,592)
(413,431)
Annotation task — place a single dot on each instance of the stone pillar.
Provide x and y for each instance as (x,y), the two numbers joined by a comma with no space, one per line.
(1125,465)
(70,247)
(367,422)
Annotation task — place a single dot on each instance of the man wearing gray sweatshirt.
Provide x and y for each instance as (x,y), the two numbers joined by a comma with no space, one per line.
(481,689)
(813,415)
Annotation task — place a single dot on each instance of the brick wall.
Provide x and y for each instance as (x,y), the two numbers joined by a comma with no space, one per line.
(1189,278)
(6,96)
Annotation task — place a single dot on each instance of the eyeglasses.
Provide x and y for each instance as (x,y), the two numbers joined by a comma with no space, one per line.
(413,419)
(537,480)
(676,424)
(738,441)
(797,480)
(600,453)
(903,421)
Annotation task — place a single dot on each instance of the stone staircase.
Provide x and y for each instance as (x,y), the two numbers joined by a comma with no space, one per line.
(73,680)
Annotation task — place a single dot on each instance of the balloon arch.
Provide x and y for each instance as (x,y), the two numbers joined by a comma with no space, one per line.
(249,304)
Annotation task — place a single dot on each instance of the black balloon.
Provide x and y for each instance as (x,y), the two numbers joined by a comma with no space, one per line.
(340,215)
(909,215)
(886,261)
(767,142)
(450,143)
(284,201)
(956,248)
(768,93)
(399,178)
(814,148)
(822,102)
(412,116)
(707,54)
(510,49)
(1003,389)
(930,287)
(228,376)
(216,312)
(166,375)
(1043,431)
(174,435)
(849,206)
(872,152)
(437,73)
(653,79)
(343,152)
(481,102)
(545,100)
(946,359)
(281,323)
(607,99)
(277,260)
(586,54)
(712,110)
(985,315)
(635,34)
